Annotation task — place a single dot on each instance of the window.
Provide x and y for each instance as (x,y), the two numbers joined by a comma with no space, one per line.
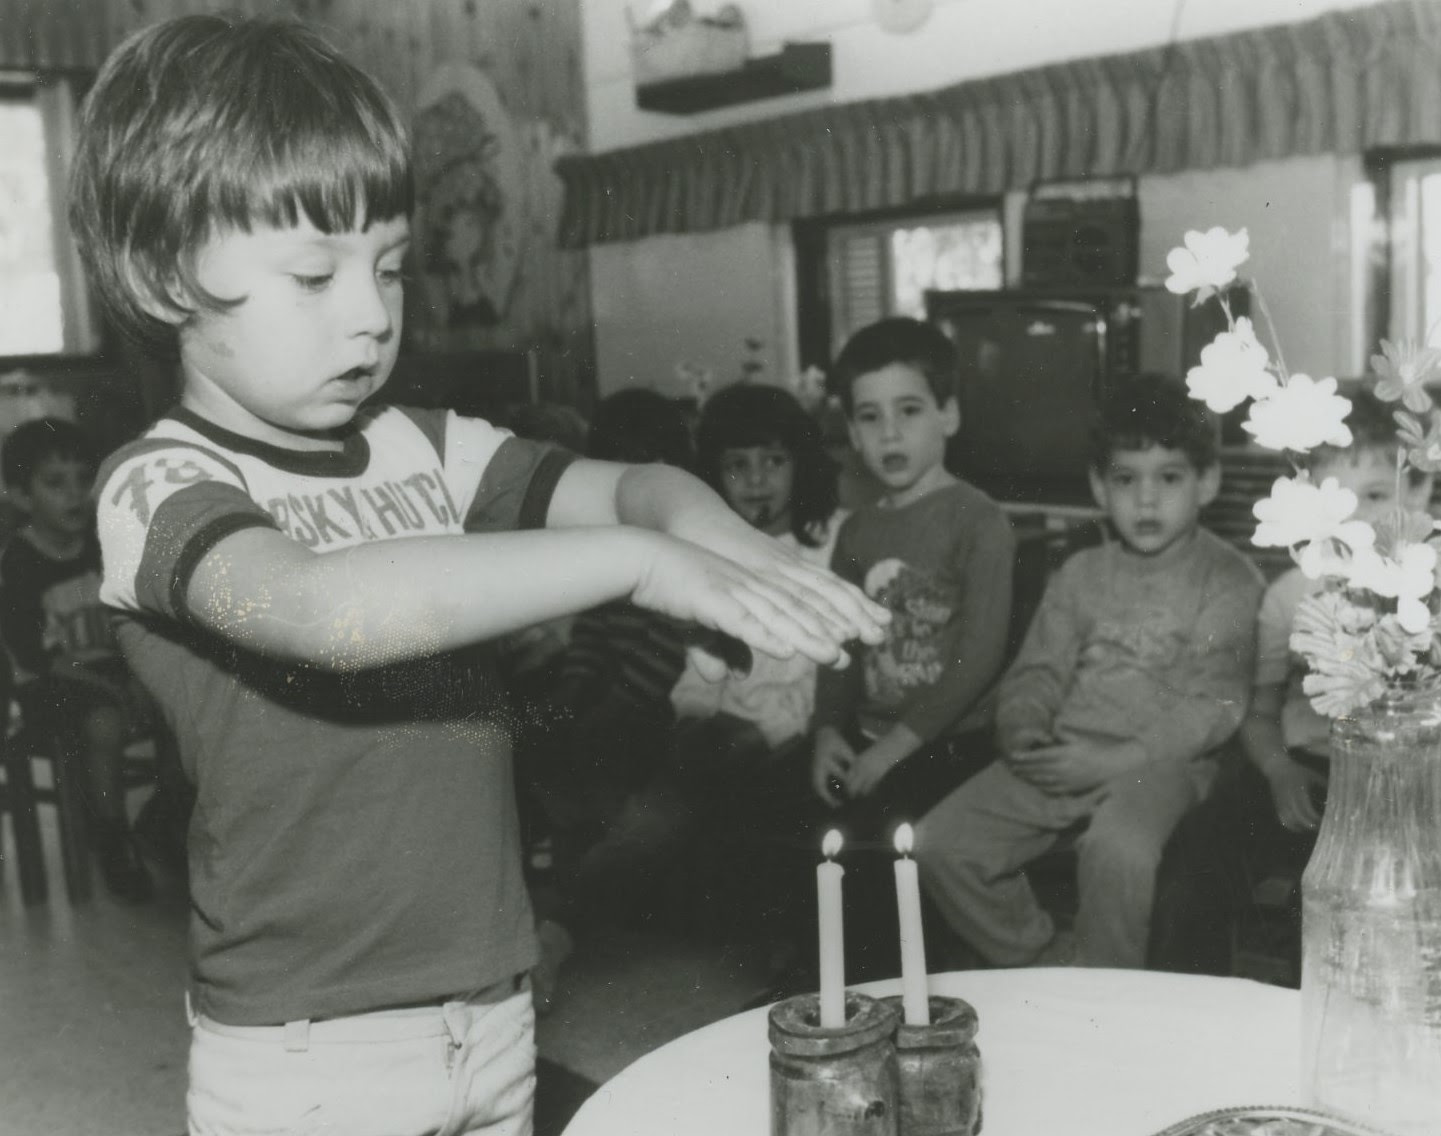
(884,267)
(44,308)
(1409,192)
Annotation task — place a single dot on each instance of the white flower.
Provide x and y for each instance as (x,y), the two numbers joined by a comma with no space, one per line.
(1233,368)
(1209,260)
(1409,577)
(1315,518)
(1302,414)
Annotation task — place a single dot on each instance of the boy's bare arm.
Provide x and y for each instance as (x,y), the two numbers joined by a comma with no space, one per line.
(384,602)
(667,500)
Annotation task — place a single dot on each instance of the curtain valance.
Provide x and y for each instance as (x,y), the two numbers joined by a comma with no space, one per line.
(1343,82)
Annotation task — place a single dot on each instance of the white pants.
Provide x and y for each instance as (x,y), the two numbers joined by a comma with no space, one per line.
(461,1068)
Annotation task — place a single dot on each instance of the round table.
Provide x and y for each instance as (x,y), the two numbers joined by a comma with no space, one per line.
(1084,1052)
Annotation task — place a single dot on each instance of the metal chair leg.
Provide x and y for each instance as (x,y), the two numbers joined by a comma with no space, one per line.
(29,852)
(74,827)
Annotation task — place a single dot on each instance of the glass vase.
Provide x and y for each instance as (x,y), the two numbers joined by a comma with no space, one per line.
(1371,925)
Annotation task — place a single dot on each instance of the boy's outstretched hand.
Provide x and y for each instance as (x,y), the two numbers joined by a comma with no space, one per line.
(763,595)
(813,597)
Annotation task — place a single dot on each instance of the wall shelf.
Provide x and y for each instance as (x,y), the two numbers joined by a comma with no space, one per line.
(796,67)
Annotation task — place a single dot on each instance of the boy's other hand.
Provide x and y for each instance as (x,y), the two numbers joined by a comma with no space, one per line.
(830,763)
(846,611)
(687,582)
(717,657)
(1026,738)
(1294,790)
(870,767)
(1064,768)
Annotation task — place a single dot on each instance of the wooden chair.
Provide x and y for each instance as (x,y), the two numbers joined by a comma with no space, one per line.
(21,795)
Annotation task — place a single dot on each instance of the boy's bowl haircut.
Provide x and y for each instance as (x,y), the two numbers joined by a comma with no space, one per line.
(205,123)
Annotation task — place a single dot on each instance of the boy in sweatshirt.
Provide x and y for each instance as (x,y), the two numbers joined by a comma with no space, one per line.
(1135,669)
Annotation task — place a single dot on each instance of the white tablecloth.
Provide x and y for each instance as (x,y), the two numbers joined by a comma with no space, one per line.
(1080,1052)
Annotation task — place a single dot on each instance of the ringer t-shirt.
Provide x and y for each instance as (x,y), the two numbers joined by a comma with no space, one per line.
(354,843)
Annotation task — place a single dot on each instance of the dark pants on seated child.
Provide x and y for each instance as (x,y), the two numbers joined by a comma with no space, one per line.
(868,825)
(1210,867)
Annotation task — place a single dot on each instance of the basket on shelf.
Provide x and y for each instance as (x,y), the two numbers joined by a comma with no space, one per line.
(677,43)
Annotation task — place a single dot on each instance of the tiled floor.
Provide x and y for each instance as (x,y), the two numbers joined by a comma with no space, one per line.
(92,1025)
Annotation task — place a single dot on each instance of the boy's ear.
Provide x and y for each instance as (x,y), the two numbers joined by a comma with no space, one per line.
(165,304)
(951,416)
(1208,483)
(1098,488)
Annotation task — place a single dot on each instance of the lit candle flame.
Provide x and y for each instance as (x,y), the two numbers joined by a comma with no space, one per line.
(905,838)
(831,844)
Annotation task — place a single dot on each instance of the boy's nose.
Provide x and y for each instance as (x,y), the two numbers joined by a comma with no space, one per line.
(369,312)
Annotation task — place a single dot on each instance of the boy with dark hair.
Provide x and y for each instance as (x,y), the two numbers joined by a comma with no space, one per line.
(301,574)
(1266,807)
(908,724)
(1131,675)
(71,683)
(933,549)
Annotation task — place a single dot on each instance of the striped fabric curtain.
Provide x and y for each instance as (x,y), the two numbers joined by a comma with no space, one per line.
(1344,82)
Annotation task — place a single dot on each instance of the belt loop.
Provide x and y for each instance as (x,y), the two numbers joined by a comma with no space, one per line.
(297,1036)
(190,1015)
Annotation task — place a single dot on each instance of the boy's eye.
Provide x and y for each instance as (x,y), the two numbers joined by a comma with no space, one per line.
(312,283)
(391,275)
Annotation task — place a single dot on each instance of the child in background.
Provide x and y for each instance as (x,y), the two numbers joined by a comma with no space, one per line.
(1267,806)
(761,451)
(72,684)
(594,743)
(911,720)
(740,762)
(300,575)
(1133,672)
(893,734)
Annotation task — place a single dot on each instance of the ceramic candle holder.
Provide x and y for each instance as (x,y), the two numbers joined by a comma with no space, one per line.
(833,1082)
(940,1070)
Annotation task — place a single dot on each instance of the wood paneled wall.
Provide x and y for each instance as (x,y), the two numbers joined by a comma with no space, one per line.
(529,49)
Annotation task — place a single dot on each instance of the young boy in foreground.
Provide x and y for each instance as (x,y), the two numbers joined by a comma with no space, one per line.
(298,573)
(1135,669)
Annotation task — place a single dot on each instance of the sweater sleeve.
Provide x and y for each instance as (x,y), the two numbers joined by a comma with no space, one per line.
(1204,704)
(1036,684)
(981,623)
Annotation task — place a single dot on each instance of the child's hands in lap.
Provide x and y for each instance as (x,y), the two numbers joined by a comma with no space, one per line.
(1063,768)
(830,764)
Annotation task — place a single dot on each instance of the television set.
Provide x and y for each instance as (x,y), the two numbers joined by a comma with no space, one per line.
(1032,365)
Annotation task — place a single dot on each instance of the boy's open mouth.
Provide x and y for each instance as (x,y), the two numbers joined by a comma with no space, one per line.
(894,463)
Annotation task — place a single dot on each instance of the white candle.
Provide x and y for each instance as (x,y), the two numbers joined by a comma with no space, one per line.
(915,997)
(832,934)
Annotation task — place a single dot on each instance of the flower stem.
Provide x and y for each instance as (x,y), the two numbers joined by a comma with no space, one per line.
(1271,329)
